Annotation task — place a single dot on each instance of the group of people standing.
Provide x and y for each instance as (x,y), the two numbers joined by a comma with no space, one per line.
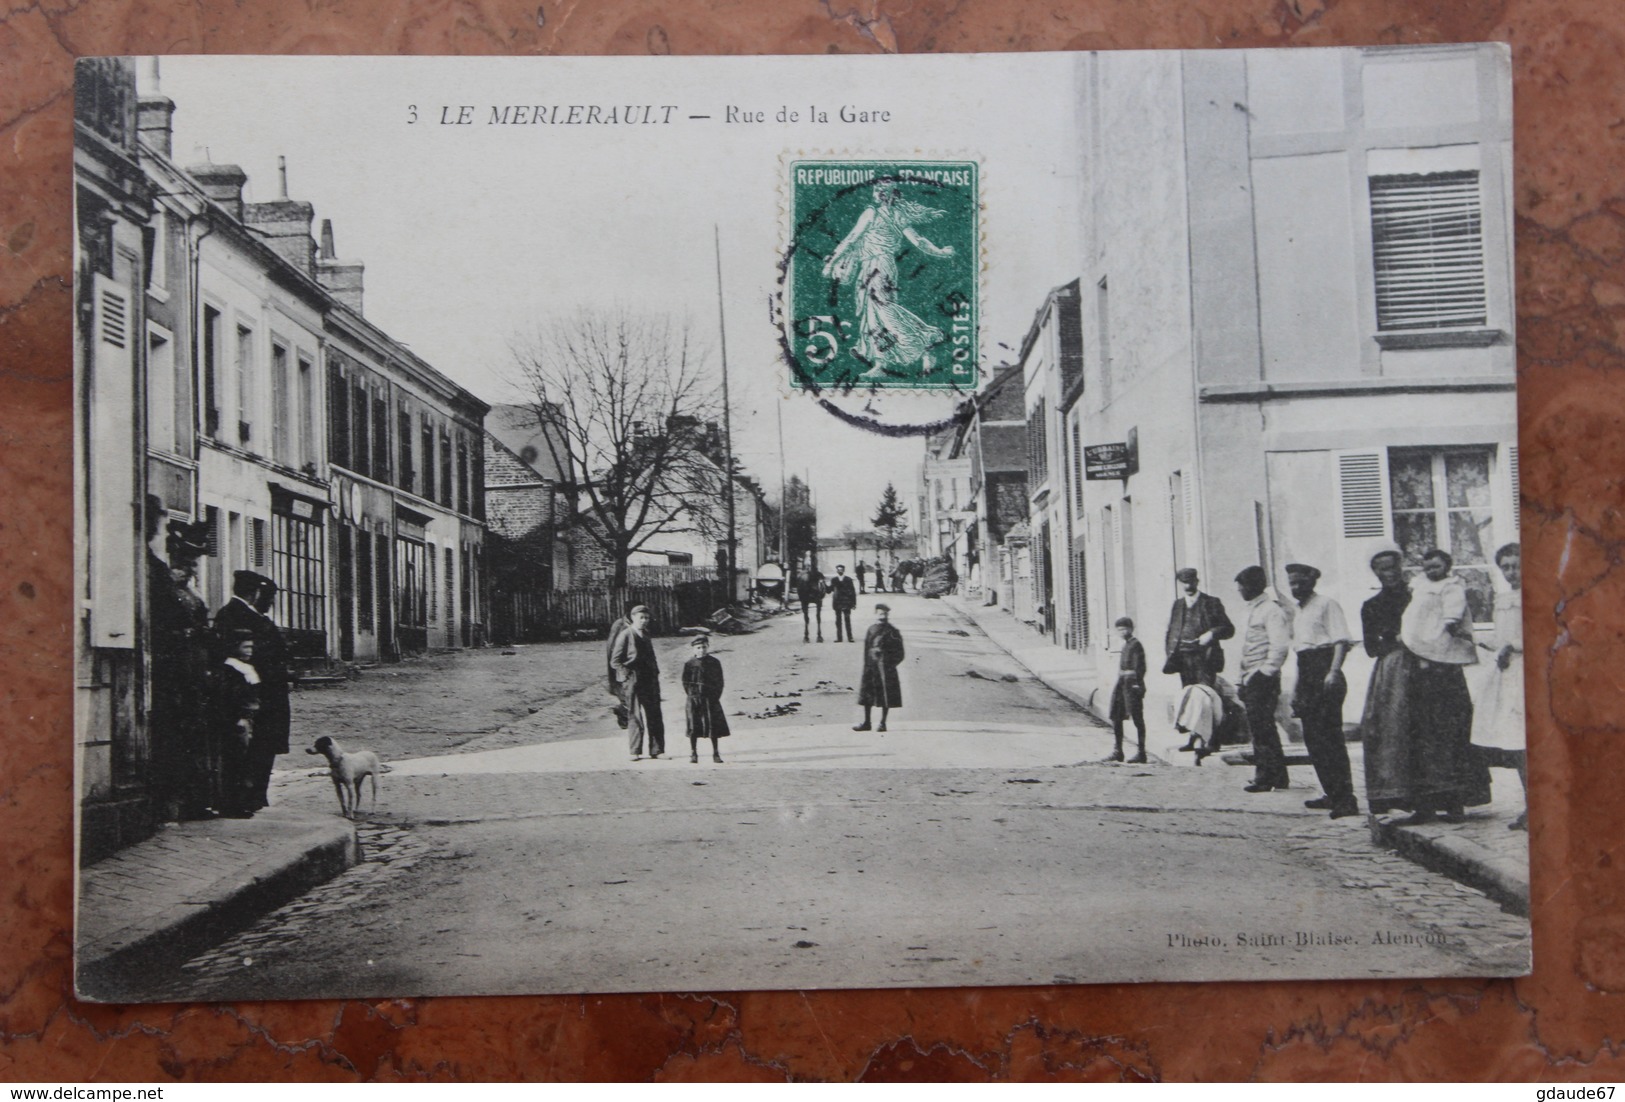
(220,711)
(634,680)
(633,677)
(1428,743)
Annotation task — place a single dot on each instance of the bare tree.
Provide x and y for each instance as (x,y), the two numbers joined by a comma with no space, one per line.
(627,402)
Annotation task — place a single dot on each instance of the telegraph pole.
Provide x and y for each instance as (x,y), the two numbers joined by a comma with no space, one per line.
(727,421)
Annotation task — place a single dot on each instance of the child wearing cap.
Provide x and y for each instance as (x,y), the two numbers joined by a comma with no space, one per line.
(702,685)
(1128,695)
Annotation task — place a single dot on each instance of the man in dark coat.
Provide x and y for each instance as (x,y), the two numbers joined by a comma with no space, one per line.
(843,599)
(639,675)
(1196,625)
(252,595)
(186,755)
(811,592)
(862,572)
(882,654)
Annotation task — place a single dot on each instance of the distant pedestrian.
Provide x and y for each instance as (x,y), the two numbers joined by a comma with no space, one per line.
(702,687)
(862,571)
(1321,640)
(639,675)
(811,591)
(234,703)
(1265,640)
(843,599)
(882,654)
(1498,727)
(1128,695)
(1197,624)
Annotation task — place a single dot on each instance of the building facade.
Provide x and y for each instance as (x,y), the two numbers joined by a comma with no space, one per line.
(209,338)
(1298,287)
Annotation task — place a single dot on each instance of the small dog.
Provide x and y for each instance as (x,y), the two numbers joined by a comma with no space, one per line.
(348,771)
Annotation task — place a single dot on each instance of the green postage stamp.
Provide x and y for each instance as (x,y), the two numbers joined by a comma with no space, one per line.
(882,267)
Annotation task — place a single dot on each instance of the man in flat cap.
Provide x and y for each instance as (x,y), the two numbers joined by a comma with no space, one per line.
(252,595)
(1321,640)
(639,673)
(1196,626)
(1264,643)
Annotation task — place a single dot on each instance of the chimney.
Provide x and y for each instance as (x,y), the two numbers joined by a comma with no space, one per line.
(342,278)
(223,184)
(285,225)
(155,114)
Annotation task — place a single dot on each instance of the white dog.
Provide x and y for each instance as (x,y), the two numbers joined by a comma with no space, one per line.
(348,771)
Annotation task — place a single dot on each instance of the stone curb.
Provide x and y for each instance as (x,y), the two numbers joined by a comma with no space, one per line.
(1460,858)
(1433,847)
(294,852)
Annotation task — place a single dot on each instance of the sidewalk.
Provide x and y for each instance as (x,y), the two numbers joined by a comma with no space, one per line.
(152,905)
(1480,852)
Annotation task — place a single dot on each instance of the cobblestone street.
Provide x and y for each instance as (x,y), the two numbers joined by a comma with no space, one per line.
(977,841)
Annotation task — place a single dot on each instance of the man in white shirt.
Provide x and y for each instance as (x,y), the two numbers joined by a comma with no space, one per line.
(1321,640)
(1265,640)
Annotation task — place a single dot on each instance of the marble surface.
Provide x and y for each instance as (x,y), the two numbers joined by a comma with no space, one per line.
(1563,1022)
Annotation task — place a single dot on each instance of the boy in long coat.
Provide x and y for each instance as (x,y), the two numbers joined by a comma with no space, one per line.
(882,654)
(702,688)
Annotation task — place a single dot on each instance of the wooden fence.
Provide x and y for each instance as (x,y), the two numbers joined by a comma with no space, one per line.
(569,613)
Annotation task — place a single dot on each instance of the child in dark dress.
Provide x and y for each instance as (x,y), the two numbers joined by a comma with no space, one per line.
(702,686)
(1128,695)
(235,699)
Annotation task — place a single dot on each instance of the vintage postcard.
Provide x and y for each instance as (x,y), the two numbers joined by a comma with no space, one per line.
(486,469)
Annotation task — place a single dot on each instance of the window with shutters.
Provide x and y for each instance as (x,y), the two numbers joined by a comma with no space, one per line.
(281,406)
(112,457)
(338,415)
(1427,243)
(245,386)
(211,371)
(380,438)
(406,473)
(360,435)
(1038,444)
(428,459)
(307,452)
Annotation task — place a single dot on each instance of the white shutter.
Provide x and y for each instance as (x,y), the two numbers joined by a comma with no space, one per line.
(1364,518)
(115,524)
(1362,494)
(1517,499)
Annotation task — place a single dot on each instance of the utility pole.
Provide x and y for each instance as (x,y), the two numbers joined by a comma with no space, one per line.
(727,420)
(784,502)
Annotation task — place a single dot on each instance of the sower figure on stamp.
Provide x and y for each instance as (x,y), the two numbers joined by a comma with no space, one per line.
(890,334)
(843,599)
(1320,639)
(811,592)
(639,676)
(1265,640)
(882,654)
(702,690)
(1128,695)
(249,610)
